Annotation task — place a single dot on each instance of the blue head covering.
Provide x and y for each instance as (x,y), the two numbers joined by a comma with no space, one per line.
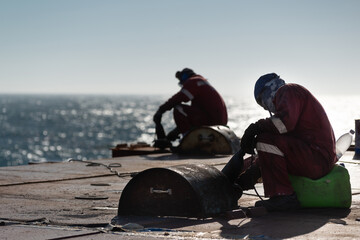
(265,89)
(184,75)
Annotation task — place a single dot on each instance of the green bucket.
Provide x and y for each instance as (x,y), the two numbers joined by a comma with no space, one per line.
(332,190)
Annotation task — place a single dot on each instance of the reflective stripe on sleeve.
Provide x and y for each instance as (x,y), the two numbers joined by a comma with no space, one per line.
(280,126)
(181,110)
(187,93)
(202,83)
(268,148)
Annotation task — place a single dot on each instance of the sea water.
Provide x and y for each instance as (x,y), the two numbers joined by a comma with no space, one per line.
(47,128)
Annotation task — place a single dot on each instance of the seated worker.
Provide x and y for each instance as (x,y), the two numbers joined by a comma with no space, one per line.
(297,139)
(207,107)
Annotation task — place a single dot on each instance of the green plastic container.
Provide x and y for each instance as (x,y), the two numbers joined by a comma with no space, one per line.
(332,190)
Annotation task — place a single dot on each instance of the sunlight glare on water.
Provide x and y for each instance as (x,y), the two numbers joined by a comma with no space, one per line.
(40,128)
(342,112)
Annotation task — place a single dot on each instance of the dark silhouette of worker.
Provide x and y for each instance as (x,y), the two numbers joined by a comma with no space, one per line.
(207,107)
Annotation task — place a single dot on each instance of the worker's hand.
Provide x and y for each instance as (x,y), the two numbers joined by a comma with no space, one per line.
(248,140)
(157,117)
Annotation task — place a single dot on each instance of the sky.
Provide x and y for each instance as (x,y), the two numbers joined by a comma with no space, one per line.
(136,46)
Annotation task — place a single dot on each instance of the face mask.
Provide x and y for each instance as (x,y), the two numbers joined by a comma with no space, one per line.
(268,94)
(267,100)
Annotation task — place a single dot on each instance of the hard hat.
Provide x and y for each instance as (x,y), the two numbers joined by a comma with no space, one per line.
(260,84)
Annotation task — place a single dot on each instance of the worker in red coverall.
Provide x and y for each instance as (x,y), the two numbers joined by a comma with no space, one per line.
(207,106)
(297,139)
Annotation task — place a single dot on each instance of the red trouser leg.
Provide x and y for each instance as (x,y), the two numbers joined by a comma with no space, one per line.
(281,155)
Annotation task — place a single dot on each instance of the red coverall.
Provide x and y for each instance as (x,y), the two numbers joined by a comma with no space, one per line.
(297,140)
(207,106)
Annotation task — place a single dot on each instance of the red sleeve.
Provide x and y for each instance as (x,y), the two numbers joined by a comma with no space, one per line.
(173,101)
(288,104)
(188,92)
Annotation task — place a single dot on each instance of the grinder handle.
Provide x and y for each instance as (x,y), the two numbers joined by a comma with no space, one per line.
(234,167)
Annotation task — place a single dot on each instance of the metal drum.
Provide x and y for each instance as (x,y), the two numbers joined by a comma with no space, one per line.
(210,140)
(191,190)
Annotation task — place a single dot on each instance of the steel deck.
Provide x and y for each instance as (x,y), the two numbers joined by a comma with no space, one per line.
(79,200)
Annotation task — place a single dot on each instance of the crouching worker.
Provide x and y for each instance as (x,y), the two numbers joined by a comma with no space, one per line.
(297,139)
(207,107)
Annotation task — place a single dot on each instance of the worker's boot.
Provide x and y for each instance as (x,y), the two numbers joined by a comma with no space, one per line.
(280,203)
(162,143)
(173,134)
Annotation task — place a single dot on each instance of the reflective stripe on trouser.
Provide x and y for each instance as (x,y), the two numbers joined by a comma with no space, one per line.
(268,148)
(281,155)
(273,170)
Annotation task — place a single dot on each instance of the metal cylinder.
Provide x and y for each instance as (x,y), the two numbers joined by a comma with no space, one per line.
(357,140)
(189,190)
(211,140)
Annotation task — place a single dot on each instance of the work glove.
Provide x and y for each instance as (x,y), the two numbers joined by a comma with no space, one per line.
(248,140)
(157,117)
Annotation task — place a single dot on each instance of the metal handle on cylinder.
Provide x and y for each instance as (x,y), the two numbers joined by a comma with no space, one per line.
(152,190)
(209,138)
